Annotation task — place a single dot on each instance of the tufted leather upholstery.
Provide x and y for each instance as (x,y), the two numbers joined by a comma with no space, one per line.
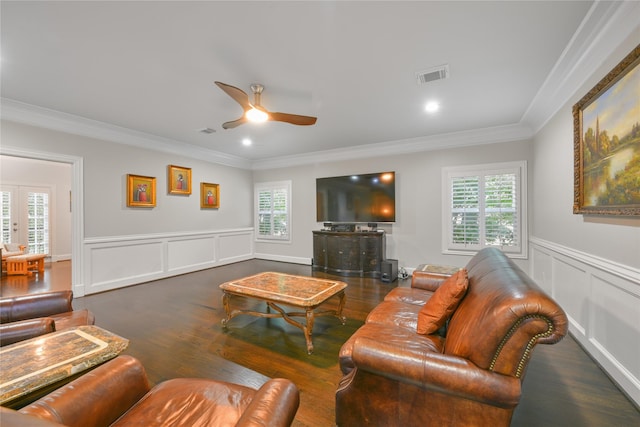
(118,393)
(396,377)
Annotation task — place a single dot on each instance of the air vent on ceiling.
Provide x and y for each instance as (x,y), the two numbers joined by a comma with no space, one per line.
(432,74)
(207,130)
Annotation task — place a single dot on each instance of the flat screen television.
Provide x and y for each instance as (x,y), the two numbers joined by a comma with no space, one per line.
(357,198)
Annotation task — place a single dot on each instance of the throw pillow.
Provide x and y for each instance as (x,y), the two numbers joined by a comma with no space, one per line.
(444,301)
(12,247)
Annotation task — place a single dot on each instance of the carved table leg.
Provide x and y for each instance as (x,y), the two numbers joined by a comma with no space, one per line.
(308,330)
(225,304)
(343,298)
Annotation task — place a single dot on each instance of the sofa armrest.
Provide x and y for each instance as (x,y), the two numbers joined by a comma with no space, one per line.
(436,371)
(24,329)
(274,404)
(30,306)
(428,283)
(97,398)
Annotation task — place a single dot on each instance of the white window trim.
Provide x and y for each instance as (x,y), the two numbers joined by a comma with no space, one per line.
(256,194)
(485,169)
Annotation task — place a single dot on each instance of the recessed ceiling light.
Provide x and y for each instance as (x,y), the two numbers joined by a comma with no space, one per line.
(432,107)
(246,142)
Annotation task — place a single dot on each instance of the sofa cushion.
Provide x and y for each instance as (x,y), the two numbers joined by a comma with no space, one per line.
(396,314)
(444,301)
(192,401)
(12,247)
(393,335)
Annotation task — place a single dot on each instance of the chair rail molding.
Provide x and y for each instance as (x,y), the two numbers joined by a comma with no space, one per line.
(118,261)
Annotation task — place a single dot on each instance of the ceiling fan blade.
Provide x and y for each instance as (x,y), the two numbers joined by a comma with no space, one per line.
(235,123)
(294,119)
(237,94)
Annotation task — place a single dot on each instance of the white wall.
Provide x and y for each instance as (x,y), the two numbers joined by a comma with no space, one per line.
(590,264)
(143,244)
(57,178)
(415,237)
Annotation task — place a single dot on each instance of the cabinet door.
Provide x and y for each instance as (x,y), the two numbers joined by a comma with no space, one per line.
(343,254)
(319,250)
(371,253)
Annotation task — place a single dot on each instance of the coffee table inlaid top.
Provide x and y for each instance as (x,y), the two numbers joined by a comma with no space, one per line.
(38,362)
(302,291)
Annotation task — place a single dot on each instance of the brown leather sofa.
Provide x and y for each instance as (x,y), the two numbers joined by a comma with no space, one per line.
(27,316)
(469,376)
(118,393)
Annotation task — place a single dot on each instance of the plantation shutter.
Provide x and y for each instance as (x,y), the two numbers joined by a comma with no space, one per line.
(5,216)
(38,223)
(484,207)
(273,207)
(465,211)
(265,223)
(501,219)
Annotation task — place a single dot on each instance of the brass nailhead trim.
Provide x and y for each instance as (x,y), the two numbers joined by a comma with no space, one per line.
(529,346)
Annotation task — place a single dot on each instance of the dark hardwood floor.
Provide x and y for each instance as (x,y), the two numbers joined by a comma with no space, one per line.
(174,328)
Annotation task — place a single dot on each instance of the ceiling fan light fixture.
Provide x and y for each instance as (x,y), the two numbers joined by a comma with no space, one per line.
(256,116)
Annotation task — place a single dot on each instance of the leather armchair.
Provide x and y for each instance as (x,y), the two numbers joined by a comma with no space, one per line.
(118,393)
(28,316)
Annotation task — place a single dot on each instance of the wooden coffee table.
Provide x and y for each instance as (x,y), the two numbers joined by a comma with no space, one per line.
(302,292)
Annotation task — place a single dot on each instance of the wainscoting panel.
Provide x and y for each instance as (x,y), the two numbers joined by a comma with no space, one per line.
(602,300)
(616,315)
(115,262)
(571,290)
(188,253)
(235,246)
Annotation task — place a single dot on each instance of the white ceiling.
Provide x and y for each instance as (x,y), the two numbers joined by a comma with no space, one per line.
(147,69)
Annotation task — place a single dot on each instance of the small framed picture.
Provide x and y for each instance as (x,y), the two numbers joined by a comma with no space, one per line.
(141,191)
(179,179)
(209,195)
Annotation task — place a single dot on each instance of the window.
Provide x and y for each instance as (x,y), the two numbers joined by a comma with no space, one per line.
(5,216)
(485,205)
(38,223)
(273,211)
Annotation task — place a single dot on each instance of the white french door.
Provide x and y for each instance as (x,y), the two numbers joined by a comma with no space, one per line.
(25,217)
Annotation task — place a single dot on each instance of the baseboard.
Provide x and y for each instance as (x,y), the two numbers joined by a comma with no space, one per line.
(283,258)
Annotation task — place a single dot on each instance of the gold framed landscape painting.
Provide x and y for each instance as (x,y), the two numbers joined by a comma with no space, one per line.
(179,179)
(209,195)
(606,124)
(141,191)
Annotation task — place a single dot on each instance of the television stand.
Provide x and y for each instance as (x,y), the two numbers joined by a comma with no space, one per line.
(349,253)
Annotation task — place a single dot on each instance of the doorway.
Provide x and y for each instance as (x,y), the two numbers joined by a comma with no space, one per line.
(65,235)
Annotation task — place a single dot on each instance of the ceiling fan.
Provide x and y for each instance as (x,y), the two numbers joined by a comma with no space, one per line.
(254,112)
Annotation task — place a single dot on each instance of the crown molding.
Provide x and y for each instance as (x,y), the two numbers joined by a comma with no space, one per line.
(33,115)
(607,24)
(493,135)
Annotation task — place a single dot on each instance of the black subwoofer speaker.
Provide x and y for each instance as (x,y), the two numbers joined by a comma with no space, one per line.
(389,270)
